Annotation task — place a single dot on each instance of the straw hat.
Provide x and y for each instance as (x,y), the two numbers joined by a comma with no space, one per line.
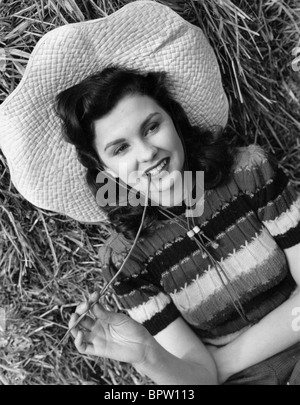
(144,35)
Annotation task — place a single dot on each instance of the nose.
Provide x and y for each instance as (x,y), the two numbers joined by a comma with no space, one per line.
(146,151)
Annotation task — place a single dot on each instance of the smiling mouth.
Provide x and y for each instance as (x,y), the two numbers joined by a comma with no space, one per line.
(157,169)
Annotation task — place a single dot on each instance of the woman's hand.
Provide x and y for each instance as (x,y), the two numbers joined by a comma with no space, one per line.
(109,334)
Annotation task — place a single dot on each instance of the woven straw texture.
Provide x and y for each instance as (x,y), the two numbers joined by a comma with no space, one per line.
(143,35)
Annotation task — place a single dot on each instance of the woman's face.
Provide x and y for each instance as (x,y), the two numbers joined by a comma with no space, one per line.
(137,140)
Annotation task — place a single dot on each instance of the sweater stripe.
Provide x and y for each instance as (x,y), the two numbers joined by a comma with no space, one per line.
(147,310)
(162,319)
(285,221)
(268,192)
(290,238)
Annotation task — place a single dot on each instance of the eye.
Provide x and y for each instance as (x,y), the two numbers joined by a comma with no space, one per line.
(152,128)
(120,149)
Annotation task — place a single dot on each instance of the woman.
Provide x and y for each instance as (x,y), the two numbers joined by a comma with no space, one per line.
(206,294)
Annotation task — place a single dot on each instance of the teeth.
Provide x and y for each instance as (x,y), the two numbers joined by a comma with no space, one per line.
(157,169)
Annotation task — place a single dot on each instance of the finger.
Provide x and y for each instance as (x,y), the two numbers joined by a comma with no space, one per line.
(100,312)
(82,308)
(87,323)
(86,305)
(83,346)
(73,329)
(79,342)
(72,320)
(95,296)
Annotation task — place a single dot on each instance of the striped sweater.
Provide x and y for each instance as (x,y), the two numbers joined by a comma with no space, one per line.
(253,217)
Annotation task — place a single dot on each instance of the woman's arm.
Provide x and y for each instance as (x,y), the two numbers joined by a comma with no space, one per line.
(268,337)
(179,357)
(175,357)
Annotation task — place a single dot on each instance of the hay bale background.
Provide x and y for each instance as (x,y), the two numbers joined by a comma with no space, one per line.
(48,262)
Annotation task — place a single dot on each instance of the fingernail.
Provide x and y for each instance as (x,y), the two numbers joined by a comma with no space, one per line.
(82,305)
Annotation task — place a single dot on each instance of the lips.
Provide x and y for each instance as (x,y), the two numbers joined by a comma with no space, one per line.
(157,168)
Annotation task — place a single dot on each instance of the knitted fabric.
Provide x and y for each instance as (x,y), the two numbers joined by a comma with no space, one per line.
(253,217)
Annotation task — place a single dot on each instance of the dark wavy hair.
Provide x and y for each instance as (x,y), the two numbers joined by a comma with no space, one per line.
(94,97)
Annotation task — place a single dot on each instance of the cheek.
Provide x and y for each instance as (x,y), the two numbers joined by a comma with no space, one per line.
(180,147)
(177,147)
(121,167)
(178,152)
(169,140)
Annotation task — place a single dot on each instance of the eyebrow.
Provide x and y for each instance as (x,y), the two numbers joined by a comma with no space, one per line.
(142,129)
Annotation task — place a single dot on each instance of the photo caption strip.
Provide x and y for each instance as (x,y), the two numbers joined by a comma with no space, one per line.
(143,393)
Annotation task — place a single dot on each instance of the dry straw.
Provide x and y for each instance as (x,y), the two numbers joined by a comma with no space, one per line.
(48,262)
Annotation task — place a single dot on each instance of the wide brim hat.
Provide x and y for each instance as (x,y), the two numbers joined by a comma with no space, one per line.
(143,35)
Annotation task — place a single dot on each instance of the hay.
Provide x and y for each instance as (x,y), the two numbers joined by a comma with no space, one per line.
(48,262)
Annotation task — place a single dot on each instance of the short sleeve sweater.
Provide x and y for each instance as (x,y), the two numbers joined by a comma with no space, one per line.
(253,217)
